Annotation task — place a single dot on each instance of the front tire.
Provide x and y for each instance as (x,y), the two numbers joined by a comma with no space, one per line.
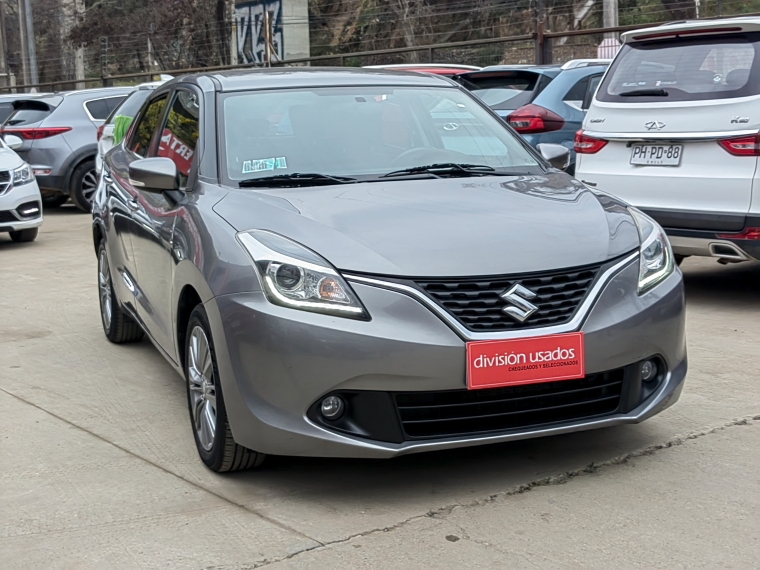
(53,200)
(208,416)
(117,325)
(84,183)
(24,235)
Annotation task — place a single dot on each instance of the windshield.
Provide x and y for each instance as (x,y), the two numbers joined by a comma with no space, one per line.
(363,132)
(690,69)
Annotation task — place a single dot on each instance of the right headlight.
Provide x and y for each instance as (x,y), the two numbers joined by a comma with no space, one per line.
(296,277)
(23,175)
(656,260)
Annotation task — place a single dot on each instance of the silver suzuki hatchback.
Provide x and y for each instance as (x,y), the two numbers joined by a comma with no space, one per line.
(367,264)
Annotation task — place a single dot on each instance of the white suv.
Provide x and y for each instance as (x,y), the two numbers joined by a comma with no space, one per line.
(20,201)
(673,130)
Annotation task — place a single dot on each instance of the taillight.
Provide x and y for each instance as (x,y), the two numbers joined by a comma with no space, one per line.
(100,131)
(747,233)
(742,146)
(36,133)
(585,144)
(534,119)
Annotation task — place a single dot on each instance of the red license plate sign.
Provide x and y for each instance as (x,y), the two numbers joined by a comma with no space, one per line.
(494,363)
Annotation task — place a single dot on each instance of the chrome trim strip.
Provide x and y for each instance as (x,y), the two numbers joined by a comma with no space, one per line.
(466,334)
(648,136)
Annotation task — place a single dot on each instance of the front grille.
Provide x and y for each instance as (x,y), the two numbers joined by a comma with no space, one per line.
(7,216)
(475,301)
(467,412)
(5,181)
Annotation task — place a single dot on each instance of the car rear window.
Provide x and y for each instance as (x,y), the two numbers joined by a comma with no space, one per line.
(28,112)
(684,69)
(5,110)
(503,90)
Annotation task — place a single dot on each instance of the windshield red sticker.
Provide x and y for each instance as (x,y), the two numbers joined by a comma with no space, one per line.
(494,363)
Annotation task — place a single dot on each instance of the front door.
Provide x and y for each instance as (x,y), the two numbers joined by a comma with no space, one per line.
(156,216)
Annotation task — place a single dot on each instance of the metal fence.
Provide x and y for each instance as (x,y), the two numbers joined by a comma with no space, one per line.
(538,46)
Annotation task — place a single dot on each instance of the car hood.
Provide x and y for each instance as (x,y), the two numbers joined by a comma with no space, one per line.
(9,160)
(444,227)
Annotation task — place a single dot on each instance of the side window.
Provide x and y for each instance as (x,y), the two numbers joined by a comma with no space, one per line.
(593,83)
(113,103)
(180,133)
(98,109)
(143,132)
(577,92)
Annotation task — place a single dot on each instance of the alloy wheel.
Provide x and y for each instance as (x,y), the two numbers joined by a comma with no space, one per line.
(202,388)
(89,185)
(104,285)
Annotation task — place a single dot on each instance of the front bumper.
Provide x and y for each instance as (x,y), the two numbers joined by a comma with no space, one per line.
(275,363)
(17,200)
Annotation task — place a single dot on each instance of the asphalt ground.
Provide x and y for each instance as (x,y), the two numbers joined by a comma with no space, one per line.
(98,468)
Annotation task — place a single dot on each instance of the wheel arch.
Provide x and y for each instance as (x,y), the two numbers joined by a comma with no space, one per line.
(188,300)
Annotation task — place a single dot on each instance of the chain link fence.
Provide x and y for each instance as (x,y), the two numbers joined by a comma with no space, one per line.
(128,60)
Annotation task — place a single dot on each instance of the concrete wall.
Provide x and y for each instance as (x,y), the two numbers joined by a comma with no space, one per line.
(290,36)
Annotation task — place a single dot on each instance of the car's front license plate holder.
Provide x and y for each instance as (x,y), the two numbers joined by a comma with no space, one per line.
(496,363)
(656,154)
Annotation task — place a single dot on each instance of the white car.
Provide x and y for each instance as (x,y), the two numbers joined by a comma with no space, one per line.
(20,200)
(673,130)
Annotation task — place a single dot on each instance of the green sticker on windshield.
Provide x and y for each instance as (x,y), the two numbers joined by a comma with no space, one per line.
(263,164)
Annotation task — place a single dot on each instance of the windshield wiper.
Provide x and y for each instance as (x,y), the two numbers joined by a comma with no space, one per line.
(644,93)
(295,180)
(444,169)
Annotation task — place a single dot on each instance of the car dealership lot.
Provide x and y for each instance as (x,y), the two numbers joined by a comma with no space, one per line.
(98,467)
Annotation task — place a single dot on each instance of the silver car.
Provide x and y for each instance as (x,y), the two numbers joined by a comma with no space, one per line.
(357,263)
(59,133)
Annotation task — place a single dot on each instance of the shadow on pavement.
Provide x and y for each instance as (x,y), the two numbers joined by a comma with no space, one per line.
(708,282)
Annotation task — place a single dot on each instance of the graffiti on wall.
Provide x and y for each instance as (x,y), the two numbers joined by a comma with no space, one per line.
(250,30)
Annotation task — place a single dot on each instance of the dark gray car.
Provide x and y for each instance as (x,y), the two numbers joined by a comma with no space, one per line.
(369,264)
(60,140)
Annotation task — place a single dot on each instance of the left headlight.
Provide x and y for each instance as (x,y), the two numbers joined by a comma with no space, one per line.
(23,175)
(296,277)
(655,255)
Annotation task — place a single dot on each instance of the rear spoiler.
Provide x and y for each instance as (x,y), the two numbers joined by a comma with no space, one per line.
(46,104)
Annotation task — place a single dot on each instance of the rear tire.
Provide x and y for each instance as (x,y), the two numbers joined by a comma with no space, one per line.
(117,325)
(84,183)
(24,235)
(208,415)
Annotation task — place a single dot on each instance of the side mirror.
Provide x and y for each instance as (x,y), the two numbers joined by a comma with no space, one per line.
(155,175)
(555,154)
(13,141)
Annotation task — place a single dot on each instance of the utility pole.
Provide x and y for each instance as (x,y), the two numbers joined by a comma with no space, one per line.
(233,29)
(610,16)
(6,82)
(24,45)
(267,40)
(30,42)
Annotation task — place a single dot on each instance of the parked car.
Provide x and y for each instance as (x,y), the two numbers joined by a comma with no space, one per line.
(59,135)
(369,281)
(115,127)
(673,130)
(545,104)
(447,69)
(20,202)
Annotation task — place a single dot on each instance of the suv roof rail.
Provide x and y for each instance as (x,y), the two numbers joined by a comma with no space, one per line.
(575,63)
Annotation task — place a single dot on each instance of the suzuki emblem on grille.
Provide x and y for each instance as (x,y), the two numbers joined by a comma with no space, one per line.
(520,308)
(654,125)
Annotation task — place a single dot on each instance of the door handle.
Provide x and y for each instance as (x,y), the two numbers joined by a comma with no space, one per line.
(133,204)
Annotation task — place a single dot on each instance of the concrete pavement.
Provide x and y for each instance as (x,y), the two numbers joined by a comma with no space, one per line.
(98,466)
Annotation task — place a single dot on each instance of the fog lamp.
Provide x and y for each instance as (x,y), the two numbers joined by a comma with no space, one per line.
(332,407)
(648,370)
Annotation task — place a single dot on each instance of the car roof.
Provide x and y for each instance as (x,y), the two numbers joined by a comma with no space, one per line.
(694,27)
(285,77)
(424,66)
(493,70)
